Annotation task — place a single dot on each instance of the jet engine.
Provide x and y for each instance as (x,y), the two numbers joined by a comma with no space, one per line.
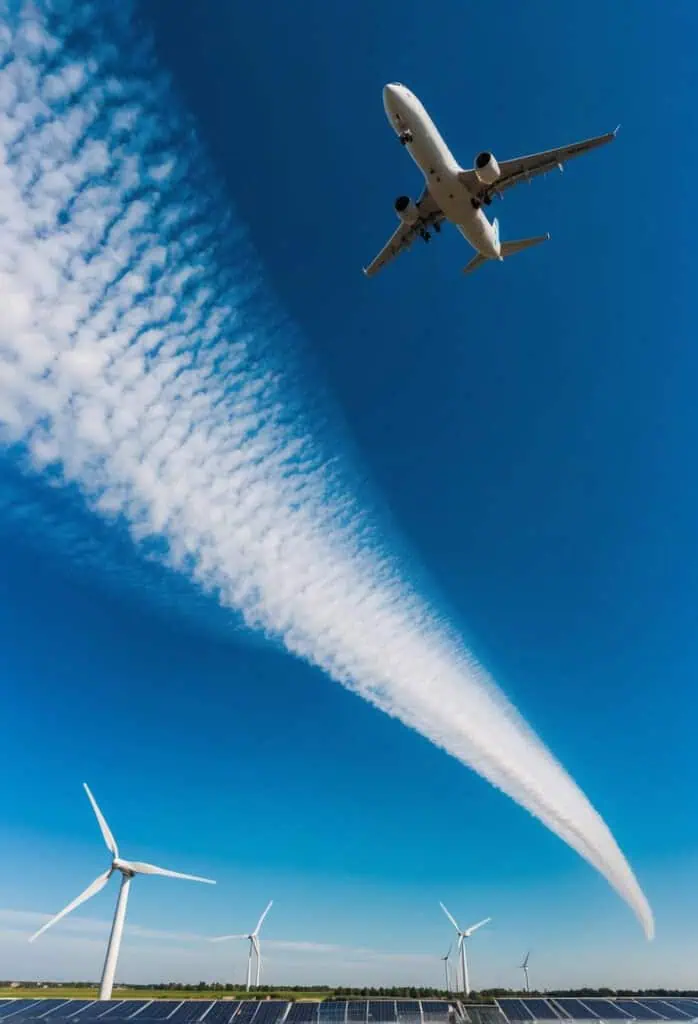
(406,210)
(486,168)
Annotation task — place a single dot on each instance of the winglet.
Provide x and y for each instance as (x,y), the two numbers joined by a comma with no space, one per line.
(616,130)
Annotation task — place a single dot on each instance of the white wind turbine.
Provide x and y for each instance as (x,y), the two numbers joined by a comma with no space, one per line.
(253,938)
(128,869)
(462,936)
(524,967)
(445,963)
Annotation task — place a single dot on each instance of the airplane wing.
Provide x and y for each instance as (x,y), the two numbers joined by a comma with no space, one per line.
(429,215)
(527,167)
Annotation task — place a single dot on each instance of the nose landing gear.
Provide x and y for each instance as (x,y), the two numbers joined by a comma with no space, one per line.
(405,137)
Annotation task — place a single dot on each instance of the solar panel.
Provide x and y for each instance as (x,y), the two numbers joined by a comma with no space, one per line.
(665,1009)
(222,1011)
(100,1008)
(69,1008)
(357,1010)
(605,1009)
(689,1005)
(541,1009)
(159,1009)
(515,1009)
(381,1010)
(246,1011)
(434,1008)
(189,1010)
(575,1008)
(333,1011)
(408,1011)
(126,1009)
(270,1011)
(16,1008)
(302,1013)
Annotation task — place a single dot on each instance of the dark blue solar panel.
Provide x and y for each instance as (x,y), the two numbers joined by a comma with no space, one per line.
(357,1011)
(605,1009)
(270,1011)
(69,1008)
(575,1008)
(333,1011)
(689,1005)
(664,1009)
(302,1013)
(246,1011)
(100,1008)
(433,1008)
(541,1009)
(408,1010)
(191,1010)
(126,1009)
(222,1011)
(514,1009)
(381,1010)
(157,1009)
(17,1007)
(43,1007)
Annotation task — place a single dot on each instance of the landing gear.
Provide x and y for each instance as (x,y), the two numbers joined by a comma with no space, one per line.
(425,235)
(437,227)
(405,137)
(487,200)
(475,203)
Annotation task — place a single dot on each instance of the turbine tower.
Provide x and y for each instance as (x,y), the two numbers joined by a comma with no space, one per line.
(253,939)
(128,869)
(524,967)
(445,963)
(463,935)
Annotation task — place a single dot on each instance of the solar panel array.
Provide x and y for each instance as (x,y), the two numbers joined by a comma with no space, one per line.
(223,1011)
(561,1008)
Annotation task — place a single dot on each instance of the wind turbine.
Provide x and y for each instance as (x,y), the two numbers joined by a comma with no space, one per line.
(462,936)
(253,938)
(128,869)
(445,962)
(524,967)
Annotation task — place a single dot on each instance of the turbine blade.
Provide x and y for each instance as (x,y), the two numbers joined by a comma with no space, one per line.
(451,919)
(91,890)
(525,963)
(474,927)
(141,868)
(102,822)
(259,923)
(224,938)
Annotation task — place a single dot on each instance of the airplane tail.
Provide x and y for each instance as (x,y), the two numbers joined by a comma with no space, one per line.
(510,248)
(507,248)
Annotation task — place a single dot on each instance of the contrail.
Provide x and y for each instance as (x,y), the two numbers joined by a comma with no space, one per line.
(132,368)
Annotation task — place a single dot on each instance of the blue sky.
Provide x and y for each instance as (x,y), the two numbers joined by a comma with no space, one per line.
(520,441)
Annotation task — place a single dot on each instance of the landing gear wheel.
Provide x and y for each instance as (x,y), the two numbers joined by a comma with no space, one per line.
(437,228)
(487,200)
(475,203)
(426,236)
(405,137)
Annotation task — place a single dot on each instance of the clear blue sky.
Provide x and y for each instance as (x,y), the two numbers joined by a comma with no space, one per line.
(527,437)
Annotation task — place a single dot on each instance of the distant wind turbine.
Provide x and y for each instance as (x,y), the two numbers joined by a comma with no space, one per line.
(128,869)
(253,938)
(462,936)
(445,962)
(524,967)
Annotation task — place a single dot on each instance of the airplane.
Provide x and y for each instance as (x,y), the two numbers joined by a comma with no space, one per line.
(455,194)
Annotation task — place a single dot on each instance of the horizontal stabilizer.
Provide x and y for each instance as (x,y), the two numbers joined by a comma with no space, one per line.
(510,248)
(475,262)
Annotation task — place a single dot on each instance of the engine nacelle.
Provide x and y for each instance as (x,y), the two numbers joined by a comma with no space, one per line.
(406,210)
(486,168)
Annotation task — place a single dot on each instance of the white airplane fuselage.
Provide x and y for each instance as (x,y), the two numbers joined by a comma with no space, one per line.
(440,169)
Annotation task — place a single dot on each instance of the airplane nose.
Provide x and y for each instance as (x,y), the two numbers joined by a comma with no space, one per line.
(390,93)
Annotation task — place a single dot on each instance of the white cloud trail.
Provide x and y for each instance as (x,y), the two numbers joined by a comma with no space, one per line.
(129,367)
